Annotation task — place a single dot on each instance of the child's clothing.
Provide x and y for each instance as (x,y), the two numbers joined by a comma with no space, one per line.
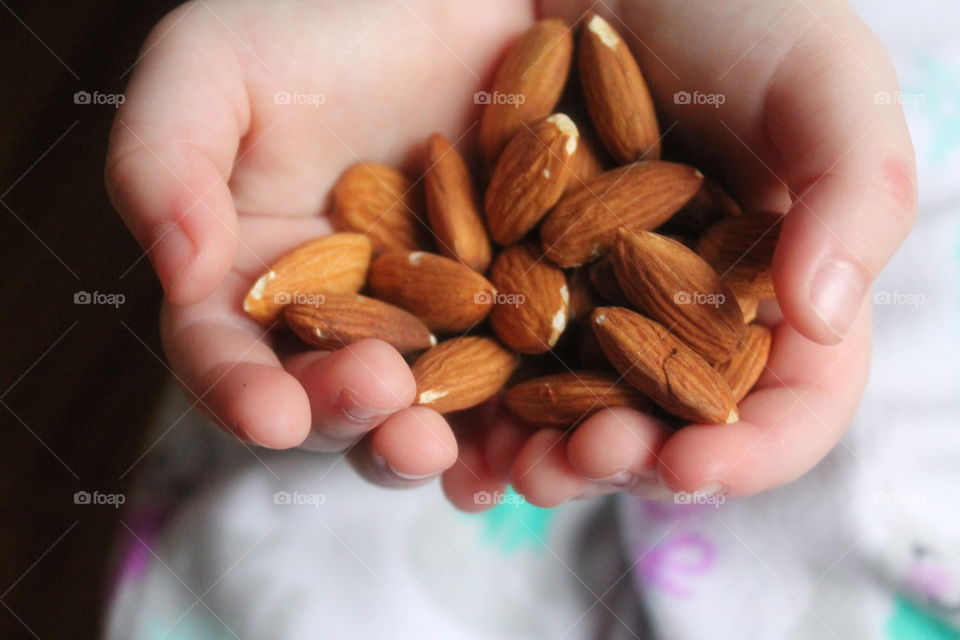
(227,541)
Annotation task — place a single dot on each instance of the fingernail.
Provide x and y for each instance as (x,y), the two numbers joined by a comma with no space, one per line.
(710,490)
(355,411)
(170,253)
(836,293)
(619,479)
(405,475)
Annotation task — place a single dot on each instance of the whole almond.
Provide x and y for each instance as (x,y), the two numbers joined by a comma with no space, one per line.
(740,248)
(643,195)
(338,320)
(674,286)
(564,399)
(527,85)
(616,93)
(462,372)
(710,205)
(380,202)
(530,177)
(332,264)
(447,295)
(669,372)
(533,301)
(452,206)
(743,370)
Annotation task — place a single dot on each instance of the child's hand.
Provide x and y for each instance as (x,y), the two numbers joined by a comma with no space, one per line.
(217,174)
(806,119)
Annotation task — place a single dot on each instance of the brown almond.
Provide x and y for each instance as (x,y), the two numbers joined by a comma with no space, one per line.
(604,281)
(616,93)
(447,295)
(338,320)
(332,264)
(677,288)
(740,248)
(583,298)
(533,302)
(669,372)
(743,370)
(565,399)
(711,204)
(527,85)
(452,206)
(529,178)
(381,203)
(643,195)
(462,372)
(585,165)
(749,306)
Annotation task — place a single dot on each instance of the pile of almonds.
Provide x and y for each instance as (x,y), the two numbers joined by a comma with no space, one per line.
(551,281)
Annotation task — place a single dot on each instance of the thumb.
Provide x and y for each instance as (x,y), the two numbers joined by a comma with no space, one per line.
(834,118)
(171,152)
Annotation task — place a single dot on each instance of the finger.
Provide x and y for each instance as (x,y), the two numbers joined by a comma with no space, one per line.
(410,448)
(503,440)
(800,409)
(171,150)
(351,390)
(848,160)
(469,484)
(226,360)
(542,474)
(619,447)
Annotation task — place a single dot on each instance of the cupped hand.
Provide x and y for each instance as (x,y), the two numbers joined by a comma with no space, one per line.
(794,115)
(238,119)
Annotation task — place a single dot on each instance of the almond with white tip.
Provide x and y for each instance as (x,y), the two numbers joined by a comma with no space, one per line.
(462,372)
(565,399)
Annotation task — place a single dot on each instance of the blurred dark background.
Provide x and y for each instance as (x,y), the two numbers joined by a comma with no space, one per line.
(78,381)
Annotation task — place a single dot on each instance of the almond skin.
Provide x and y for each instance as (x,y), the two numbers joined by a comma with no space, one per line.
(740,248)
(530,177)
(666,370)
(340,320)
(452,206)
(462,372)
(743,370)
(604,281)
(616,94)
(332,264)
(565,399)
(710,205)
(674,286)
(381,203)
(535,69)
(446,295)
(585,165)
(583,298)
(748,306)
(533,302)
(643,195)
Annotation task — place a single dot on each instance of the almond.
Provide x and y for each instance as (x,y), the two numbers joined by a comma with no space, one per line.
(452,206)
(447,295)
(584,165)
(339,320)
(533,301)
(743,370)
(749,306)
(529,177)
(583,298)
(527,84)
(710,205)
(643,195)
(740,248)
(652,360)
(616,93)
(462,372)
(674,286)
(380,202)
(332,264)
(604,281)
(564,399)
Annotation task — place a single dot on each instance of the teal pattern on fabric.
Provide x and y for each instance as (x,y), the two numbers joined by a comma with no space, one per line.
(515,524)
(940,91)
(193,626)
(911,622)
